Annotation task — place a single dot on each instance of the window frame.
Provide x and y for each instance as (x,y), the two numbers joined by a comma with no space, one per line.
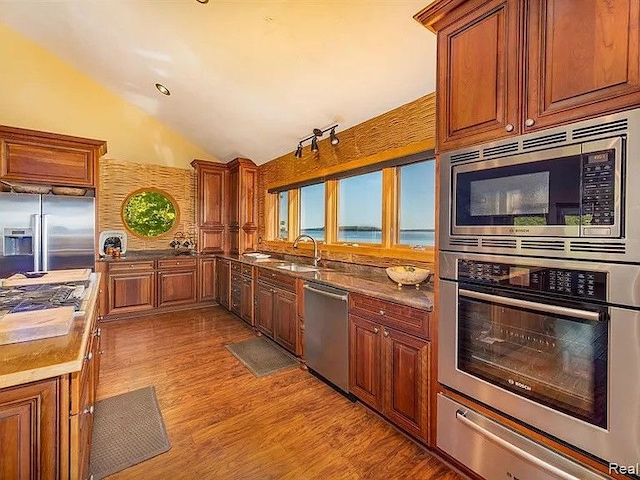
(389,247)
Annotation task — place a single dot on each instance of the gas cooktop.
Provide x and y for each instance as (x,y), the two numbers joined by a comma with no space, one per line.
(40,297)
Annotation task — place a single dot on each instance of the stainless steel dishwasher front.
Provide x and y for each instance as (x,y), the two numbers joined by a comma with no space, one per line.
(326,333)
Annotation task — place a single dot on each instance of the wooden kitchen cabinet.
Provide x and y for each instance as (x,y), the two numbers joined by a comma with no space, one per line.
(177,282)
(223,282)
(507,67)
(132,291)
(243,206)
(206,279)
(388,368)
(276,306)
(48,158)
(211,205)
(29,431)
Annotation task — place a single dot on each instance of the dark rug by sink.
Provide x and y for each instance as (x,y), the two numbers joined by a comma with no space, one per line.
(127,429)
(261,356)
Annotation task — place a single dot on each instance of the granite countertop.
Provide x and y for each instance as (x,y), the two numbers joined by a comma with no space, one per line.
(50,357)
(132,256)
(373,285)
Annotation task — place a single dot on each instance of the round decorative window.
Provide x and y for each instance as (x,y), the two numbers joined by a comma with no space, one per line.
(149,212)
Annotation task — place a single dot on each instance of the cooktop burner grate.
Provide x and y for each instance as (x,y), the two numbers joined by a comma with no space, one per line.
(40,297)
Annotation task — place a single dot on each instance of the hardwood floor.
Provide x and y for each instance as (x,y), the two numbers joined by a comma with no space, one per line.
(224,423)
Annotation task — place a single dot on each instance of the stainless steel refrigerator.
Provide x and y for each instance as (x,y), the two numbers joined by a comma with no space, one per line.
(45,232)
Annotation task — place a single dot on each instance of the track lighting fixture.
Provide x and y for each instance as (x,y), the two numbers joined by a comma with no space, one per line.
(317,133)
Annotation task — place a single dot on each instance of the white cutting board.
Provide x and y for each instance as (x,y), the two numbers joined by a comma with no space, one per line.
(26,326)
(52,276)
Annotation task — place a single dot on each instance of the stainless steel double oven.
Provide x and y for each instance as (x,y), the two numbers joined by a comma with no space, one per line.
(540,300)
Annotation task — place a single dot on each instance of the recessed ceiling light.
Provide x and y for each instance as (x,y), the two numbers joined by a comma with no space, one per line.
(162,89)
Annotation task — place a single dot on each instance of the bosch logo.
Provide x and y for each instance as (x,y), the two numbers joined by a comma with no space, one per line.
(521,385)
(519,230)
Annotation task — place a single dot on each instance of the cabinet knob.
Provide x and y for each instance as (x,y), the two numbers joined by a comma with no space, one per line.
(386,333)
(177,263)
(376,330)
(131,265)
(89,356)
(509,128)
(381,312)
(89,410)
(529,122)
(97,332)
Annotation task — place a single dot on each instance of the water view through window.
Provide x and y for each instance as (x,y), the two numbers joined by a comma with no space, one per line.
(312,211)
(417,201)
(360,209)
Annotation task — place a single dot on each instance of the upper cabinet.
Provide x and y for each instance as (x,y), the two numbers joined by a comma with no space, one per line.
(243,206)
(507,67)
(227,206)
(211,208)
(48,158)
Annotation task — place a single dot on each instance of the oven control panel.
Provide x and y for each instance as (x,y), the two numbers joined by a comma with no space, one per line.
(576,283)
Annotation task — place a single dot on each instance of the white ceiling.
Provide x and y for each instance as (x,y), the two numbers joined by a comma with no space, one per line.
(247,78)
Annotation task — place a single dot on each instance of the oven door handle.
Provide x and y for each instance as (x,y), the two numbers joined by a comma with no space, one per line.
(515,302)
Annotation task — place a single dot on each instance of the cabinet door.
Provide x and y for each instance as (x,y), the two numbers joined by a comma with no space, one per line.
(285,320)
(131,292)
(246,300)
(477,88)
(583,59)
(206,280)
(176,287)
(234,197)
(406,385)
(29,431)
(224,277)
(264,308)
(365,361)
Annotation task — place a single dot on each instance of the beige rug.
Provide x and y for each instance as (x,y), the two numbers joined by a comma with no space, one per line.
(127,429)
(262,356)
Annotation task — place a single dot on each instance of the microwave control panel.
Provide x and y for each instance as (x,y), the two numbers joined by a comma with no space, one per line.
(598,187)
(575,283)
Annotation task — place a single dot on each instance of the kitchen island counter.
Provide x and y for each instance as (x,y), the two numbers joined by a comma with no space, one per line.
(34,360)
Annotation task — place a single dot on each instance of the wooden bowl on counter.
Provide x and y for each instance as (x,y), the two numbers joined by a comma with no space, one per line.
(408,275)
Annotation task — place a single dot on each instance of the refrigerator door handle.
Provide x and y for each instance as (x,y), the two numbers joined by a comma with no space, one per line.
(37,241)
(45,242)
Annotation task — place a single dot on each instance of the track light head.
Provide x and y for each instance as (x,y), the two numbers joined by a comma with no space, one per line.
(334,138)
(298,153)
(314,144)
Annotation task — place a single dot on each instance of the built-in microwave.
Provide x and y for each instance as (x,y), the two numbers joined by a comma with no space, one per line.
(563,192)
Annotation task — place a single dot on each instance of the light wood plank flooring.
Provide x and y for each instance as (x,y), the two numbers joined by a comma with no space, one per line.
(224,423)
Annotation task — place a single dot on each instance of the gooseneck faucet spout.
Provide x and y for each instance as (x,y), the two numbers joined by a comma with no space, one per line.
(316,256)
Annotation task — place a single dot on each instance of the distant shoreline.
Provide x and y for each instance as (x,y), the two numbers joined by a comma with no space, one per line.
(354,228)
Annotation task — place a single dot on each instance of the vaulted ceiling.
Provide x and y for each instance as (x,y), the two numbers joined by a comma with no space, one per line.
(247,78)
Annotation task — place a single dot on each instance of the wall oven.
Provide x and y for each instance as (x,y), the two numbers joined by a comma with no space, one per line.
(566,192)
(555,344)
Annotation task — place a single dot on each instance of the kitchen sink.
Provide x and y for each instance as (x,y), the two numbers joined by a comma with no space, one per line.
(293,267)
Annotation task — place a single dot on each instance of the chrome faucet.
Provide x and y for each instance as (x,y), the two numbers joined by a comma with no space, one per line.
(316,256)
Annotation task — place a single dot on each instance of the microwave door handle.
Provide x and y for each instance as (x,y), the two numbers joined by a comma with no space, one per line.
(515,302)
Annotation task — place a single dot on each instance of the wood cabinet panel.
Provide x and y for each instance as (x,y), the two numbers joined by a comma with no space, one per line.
(41,157)
(213,197)
(131,292)
(285,320)
(264,308)
(223,282)
(124,266)
(404,318)
(206,279)
(243,206)
(583,59)
(365,361)
(177,287)
(29,431)
(179,262)
(246,300)
(478,80)
(279,279)
(406,383)
(211,240)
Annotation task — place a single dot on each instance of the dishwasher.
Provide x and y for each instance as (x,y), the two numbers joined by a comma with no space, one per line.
(326,333)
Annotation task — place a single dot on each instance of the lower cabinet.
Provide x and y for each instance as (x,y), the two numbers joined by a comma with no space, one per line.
(276,309)
(176,287)
(131,292)
(207,279)
(29,430)
(223,282)
(246,299)
(389,371)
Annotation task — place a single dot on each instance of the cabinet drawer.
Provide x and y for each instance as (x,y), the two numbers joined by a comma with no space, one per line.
(177,263)
(246,270)
(281,280)
(124,266)
(236,266)
(406,319)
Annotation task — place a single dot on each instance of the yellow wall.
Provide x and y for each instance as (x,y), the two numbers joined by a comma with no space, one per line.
(41,92)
